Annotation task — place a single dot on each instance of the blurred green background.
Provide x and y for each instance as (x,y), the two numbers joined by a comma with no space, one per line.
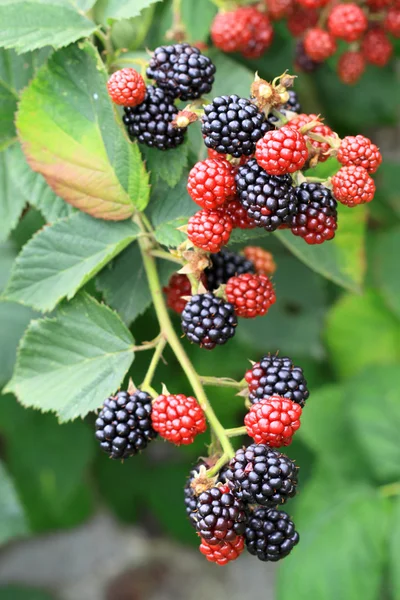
(341,327)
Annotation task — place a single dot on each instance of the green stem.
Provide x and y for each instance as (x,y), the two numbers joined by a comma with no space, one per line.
(218,465)
(391,489)
(316,179)
(236,431)
(154,361)
(108,47)
(222,382)
(170,335)
(167,256)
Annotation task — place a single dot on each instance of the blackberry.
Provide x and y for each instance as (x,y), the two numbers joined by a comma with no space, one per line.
(270,534)
(189,493)
(226,264)
(150,122)
(233,125)
(123,426)
(208,321)
(269,200)
(316,196)
(293,103)
(182,70)
(260,475)
(277,375)
(219,516)
(316,220)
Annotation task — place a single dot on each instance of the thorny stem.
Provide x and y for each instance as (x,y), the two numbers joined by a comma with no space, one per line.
(168,332)
(154,361)
(222,382)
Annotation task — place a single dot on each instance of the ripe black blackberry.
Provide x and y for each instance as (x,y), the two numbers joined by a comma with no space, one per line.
(233,125)
(261,475)
(316,220)
(123,426)
(226,264)
(189,493)
(269,200)
(219,515)
(182,70)
(208,321)
(270,534)
(293,103)
(277,375)
(151,121)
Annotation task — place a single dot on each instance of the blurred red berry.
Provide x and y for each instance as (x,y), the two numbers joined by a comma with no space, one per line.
(392,20)
(301,19)
(376,47)
(352,186)
(178,286)
(359,151)
(347,22)
(350,67)
(278,9)
(319,44)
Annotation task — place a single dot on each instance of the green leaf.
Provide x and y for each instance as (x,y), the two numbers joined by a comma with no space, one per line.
(8,106)
(387,191)
(197,16)
(167,166)
(29,24)
(33,188)
(168,205)
(62,257)
(374,407)
(231,77)
(385,267)
(12,592)
(394,554)
(67,127)
(12,516)
(68,364)
(342,259)
(167,234)
(52,469)
(123,9)
(131,33)
(124,283)
(14,320)
(339,539)
(12,202)
(361,332)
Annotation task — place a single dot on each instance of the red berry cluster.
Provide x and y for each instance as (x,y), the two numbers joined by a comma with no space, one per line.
(318,25)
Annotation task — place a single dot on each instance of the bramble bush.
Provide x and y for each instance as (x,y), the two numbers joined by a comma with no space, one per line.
(208,204)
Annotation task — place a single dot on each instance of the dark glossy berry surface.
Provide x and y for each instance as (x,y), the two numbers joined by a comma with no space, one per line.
(316,220)
(260,475)
(293,103)
(151,121)
(269,200)
(277,375)
(226,264)
(208,321)
(233,125)
(182,70)
(123,426)
(270,534)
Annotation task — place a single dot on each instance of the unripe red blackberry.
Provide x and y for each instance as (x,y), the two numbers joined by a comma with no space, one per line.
(208,321)
(376,47)
(277,375)
(319,44)
(261,475)
(178,418)
(251,294)
(270,534)
(209,229)
(126,87)
(281,151)
(321,129)
(301,19)
(351,65)
(352,186)
(262,260)
(302,61)
(223,552)
(178,286)
(238,215)
(257,32)
(359,151)
(392,21)
(269,200)
(273,421)
(182,71)
(278,9)
(232,125)
(219,515)
(211,183)
(123,426)
(347,22)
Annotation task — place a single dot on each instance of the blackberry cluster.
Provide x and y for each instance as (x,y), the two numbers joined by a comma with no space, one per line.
(270,201)
(277,375)
(123,426)
(226,264)
(270,534)
(233,125)
(260,475)
(182,71)
(151,121)
(208,321)
(219,515)
(316,219)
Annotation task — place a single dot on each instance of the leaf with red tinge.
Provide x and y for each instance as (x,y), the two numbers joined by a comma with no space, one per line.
(70,134)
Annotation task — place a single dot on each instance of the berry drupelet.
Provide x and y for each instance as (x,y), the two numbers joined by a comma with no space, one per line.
(211,183)
(223,552)
(277,375)
(151,121)
(316,220)
(208,321)
(233,125)
(224,265)
(269,200)
(273,421)
(182,70)
(270,534)
(126,87)
(123,426)
(178,418)
(210,229)
(251,294)
(261,475)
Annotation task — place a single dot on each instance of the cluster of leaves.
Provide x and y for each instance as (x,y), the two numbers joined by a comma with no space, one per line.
(339,320)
